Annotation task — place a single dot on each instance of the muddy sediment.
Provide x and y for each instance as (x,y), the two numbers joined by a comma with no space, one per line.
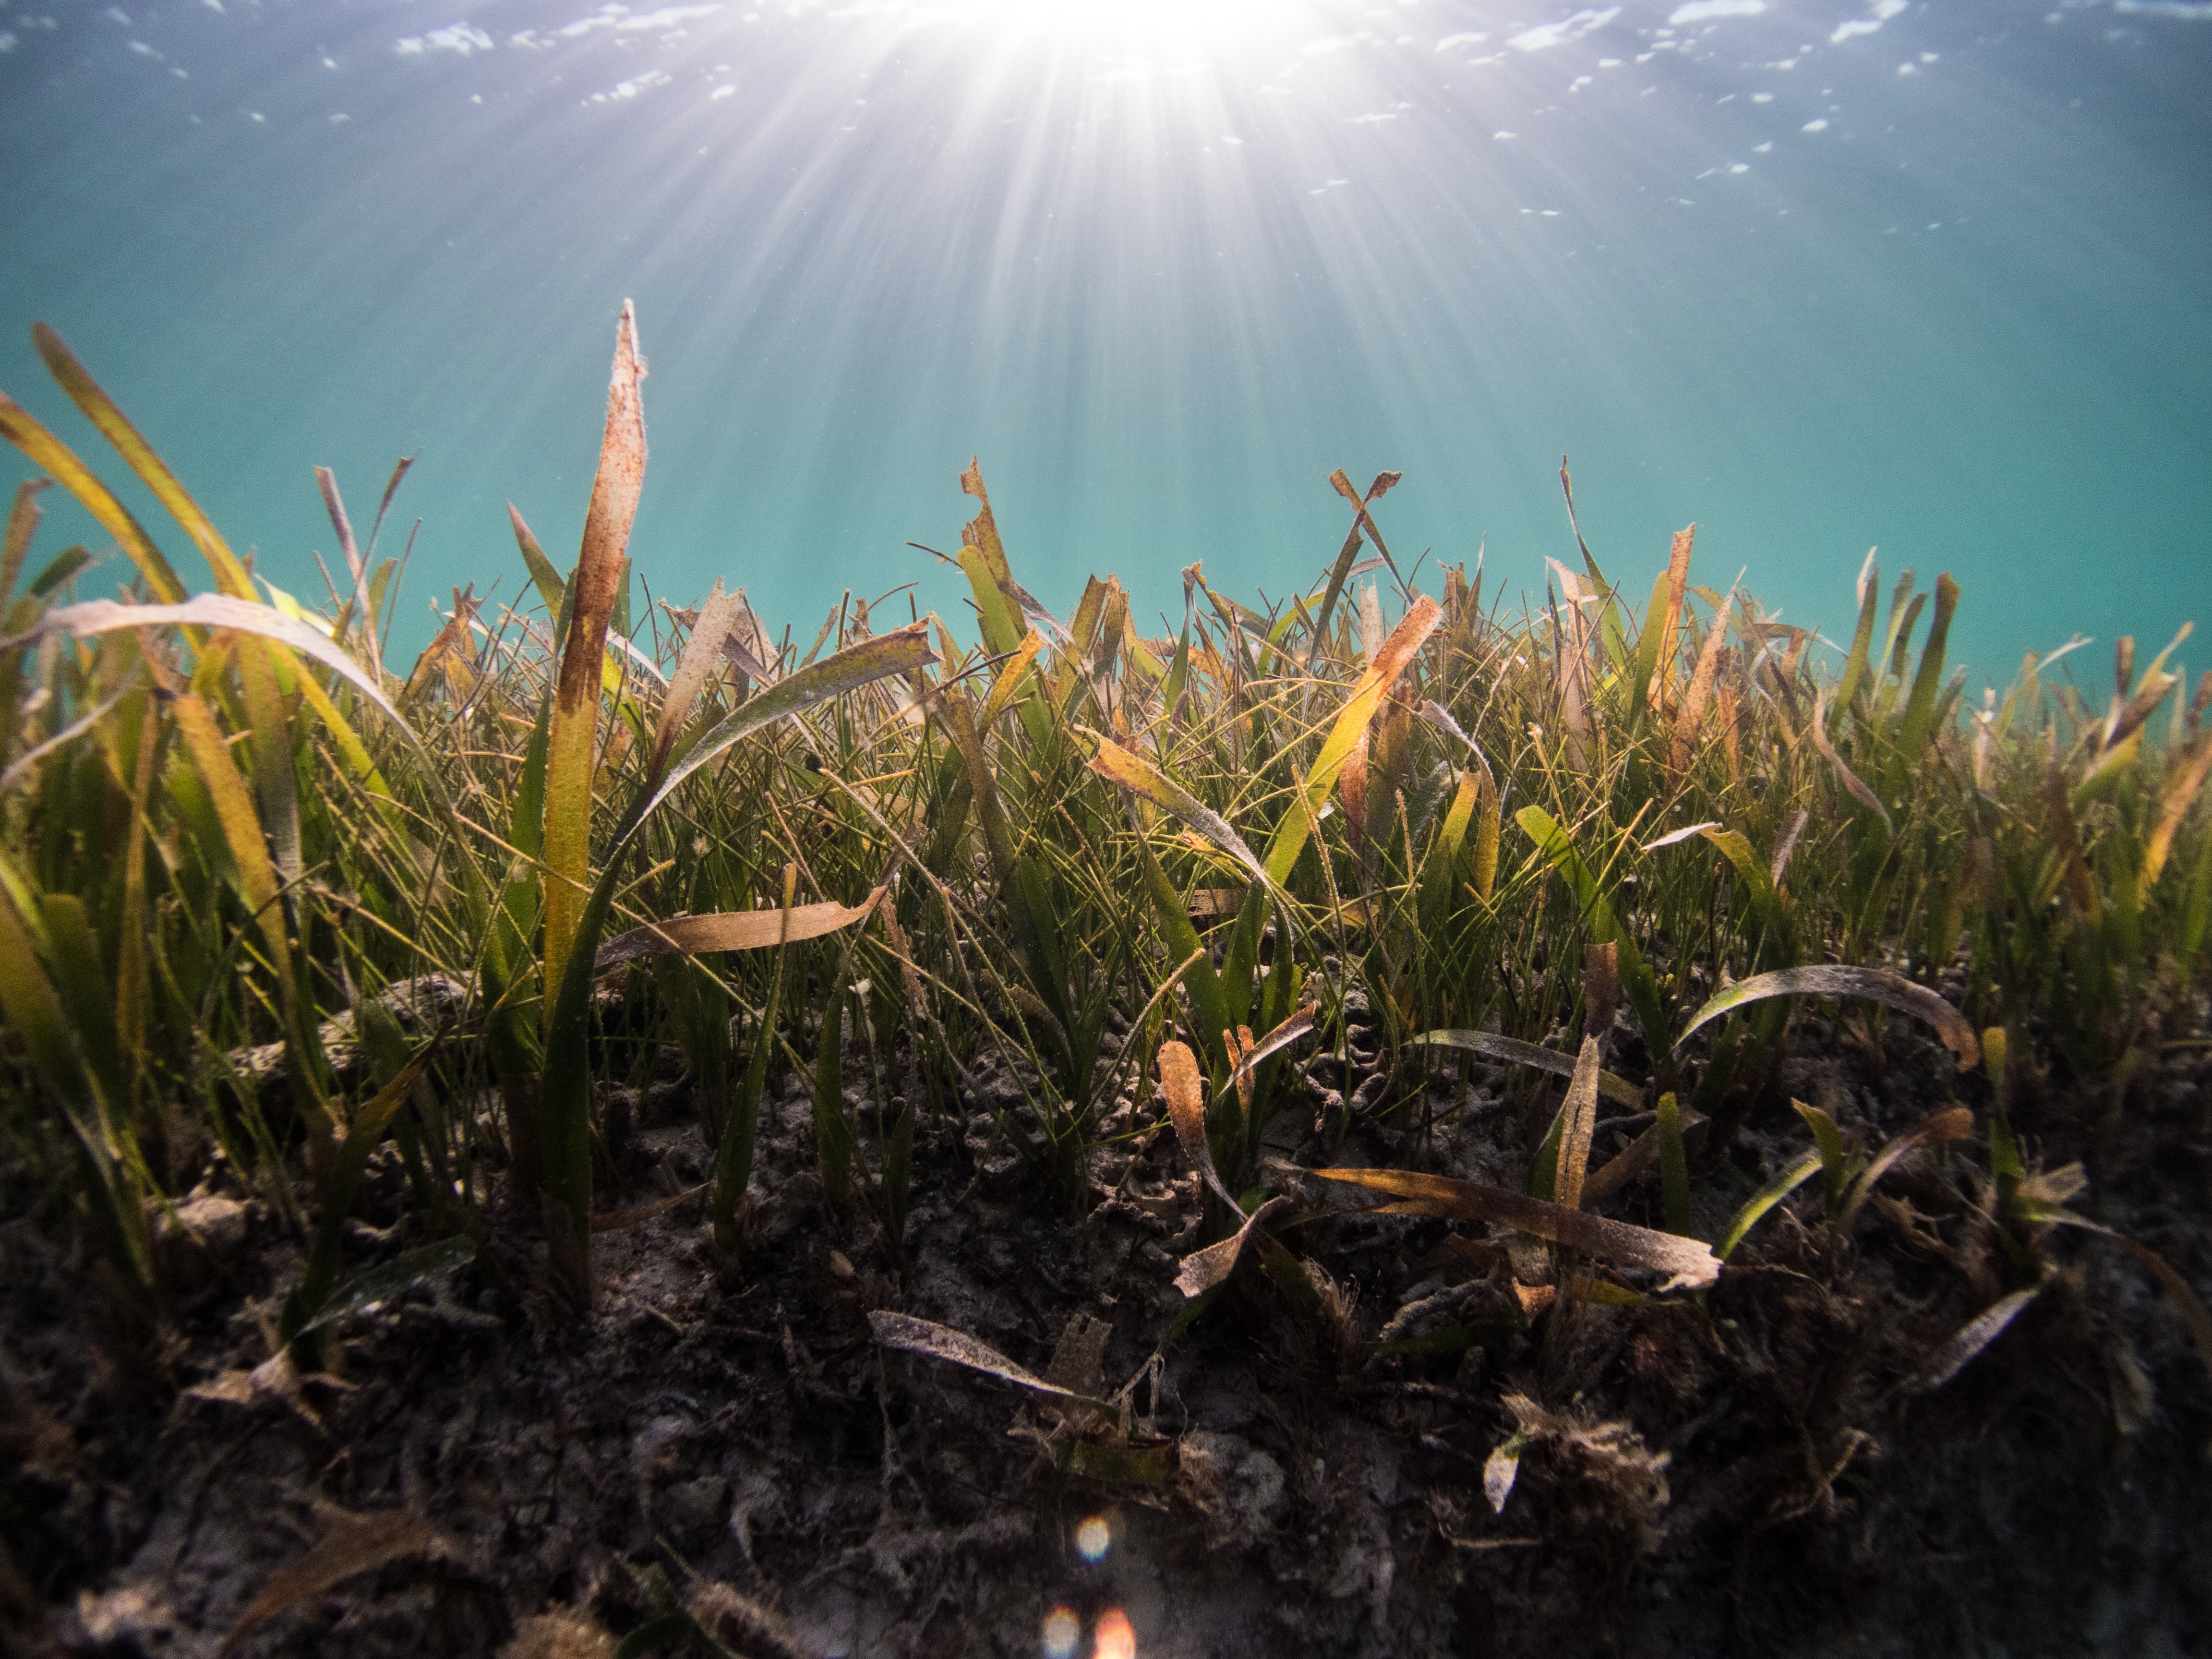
(1758,1473)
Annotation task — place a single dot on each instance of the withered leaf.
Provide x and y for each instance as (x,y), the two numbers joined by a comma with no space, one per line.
(1690,1264)
(898,1330)
(731,930)
(1975,1334)
(355,1544)
(1203,1269)
(1179,1082)
(1835,980)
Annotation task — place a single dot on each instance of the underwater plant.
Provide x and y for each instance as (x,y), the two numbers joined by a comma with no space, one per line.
(272,913)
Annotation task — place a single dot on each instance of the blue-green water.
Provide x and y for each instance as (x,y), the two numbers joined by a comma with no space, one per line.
(1815,277)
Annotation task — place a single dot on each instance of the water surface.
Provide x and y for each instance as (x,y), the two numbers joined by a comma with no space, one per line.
(1815,275)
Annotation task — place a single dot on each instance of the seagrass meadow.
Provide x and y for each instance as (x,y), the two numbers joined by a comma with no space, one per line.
(1620,1127)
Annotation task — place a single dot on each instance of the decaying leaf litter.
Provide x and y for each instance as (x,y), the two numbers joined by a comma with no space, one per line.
(1447,1134)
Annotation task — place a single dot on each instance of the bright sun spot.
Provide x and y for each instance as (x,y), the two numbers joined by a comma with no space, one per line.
(1126,21)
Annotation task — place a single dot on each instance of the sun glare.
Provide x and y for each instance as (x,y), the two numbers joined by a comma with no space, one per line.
(1128,21)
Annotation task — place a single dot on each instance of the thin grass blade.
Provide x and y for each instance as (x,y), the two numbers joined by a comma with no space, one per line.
(1140,777)
(1581,1125)
(734,930)
(934,1341)
(1398,652)
(355,1544)
(1835,980)
(1493,1046)
(1793,1175)
(1692,1267)
(1975,1334)
(91,617)
(1954,1123)
(153,471)
(571,737)
(47,451)
(717,616)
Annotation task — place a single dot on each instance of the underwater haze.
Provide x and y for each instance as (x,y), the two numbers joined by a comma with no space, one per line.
(1818,274)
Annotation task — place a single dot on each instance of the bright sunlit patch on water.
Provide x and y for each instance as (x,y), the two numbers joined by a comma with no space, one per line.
(1094,1538)
(1157,20)
(1115,1638)
(1062,1630)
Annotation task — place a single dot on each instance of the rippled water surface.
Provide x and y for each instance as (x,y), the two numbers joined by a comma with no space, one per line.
(1816,275)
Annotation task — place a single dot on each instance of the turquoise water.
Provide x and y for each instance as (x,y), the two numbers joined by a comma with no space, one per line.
(1818,276)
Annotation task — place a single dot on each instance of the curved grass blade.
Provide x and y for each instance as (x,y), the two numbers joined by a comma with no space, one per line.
(1970,1338)
(1491,1044)
(717,616)
(153,471)
(732,930)
(45,450)
(1299,1025)
(565,1109)
(543,574)
(1681,834)
(1398,652)
(898,1330)
(1954,1123)
(1013,675)
(1758,880)
(1179,1082)
(1835,980)
(2194,1313)
(355,1544)
(899,652)
(1850,780)
(1825,1136)
(1692,1267)
(1204,1269)
(94,617)
(395,1278)
(1793,1176)
(1140,777)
